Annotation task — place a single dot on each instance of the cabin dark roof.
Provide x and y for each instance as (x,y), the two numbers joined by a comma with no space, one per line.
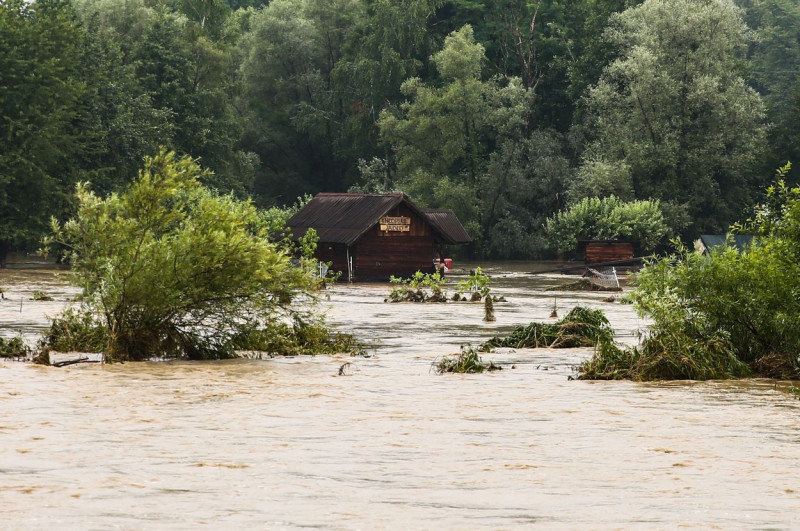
(344,218)
(448,223)
(706,242)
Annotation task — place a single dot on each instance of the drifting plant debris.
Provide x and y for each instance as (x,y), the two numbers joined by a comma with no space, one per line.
(581,327)
(582,285)
(41,296)
(422,287)
(467,361)
(13,348)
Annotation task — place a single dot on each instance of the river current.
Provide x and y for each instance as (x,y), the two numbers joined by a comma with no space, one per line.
(383,442)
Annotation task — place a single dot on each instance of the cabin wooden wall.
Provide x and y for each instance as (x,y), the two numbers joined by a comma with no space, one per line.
(381,254)
(377,255)
(335,253)
(597,252)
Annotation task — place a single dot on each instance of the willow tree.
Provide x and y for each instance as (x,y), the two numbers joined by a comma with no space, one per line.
(672,118)
(169,268)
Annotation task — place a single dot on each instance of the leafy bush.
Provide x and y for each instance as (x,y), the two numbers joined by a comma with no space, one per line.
(299,338)
(581,327)
(722,315)
(422,287)
(172,269)
(478,282)
(13,348)
(75,331)
(608,219)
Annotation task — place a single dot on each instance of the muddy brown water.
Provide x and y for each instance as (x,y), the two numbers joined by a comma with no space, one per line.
(288,443)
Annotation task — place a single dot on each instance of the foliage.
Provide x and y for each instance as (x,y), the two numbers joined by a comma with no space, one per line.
(173,269)
(666,355)
(581,327)
(607,219)
(467,361)
(39,104)
(299,338)
(74,331)
(14,347)
(673,116)
(504,111)
(422,287)
(725,314)
(477,282)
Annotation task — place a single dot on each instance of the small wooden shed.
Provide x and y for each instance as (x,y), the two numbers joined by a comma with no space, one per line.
(375,236)
(600,251)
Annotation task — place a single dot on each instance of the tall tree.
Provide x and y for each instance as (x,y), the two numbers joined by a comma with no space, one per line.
(39,52)
(464,144)
(673,115)
(775,57)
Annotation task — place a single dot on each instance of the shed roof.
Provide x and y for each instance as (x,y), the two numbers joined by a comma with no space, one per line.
(706,242)
(448,223)
(344,218)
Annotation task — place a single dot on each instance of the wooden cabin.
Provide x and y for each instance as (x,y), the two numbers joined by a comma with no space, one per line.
(602,251)
(375,236)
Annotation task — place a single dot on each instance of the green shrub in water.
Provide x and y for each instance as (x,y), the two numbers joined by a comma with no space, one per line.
(421,287)
(300,338)
(13,348)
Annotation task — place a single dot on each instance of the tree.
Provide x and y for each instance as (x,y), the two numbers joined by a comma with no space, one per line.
(39,103)
(465,144)
(673,116)
(172,268)
(775,67)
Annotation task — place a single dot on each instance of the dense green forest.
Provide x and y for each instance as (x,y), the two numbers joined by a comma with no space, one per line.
(506,111)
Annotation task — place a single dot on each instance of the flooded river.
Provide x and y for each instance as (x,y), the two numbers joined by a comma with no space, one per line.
(290,443)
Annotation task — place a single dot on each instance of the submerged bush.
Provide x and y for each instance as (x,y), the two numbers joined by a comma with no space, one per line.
(13,348)
(467,361)
(300,338)
(422,287)
(581,327)
(725,315)
(665,356)
(171,269)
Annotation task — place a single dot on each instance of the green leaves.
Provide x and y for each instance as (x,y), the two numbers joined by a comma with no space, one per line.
(173,268)
(608,219)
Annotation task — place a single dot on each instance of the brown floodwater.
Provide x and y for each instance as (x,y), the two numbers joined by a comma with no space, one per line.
(289,443)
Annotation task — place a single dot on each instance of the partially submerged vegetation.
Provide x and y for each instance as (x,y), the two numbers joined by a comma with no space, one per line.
(171,269)
(429,287)
(581,327)
(422,287)
(13,348)
(725,315)
(466,361)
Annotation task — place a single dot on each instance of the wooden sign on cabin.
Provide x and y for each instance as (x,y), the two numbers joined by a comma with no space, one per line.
(395,224)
